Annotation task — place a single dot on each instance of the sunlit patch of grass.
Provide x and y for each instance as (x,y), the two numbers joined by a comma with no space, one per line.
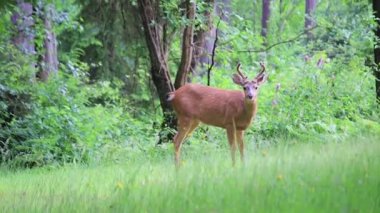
(312,177)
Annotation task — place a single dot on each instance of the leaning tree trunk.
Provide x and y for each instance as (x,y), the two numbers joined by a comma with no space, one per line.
(376,10)
(309,20)
(156,42)
(159,68)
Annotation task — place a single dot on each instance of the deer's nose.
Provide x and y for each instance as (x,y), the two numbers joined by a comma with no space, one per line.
(250,96)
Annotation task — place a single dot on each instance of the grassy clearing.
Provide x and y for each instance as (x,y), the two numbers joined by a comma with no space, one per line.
(317,177)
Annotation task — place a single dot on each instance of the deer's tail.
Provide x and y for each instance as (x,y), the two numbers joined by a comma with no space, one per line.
(170,96)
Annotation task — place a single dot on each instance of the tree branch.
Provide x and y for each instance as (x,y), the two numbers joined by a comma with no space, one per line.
(213,50)
(281,42)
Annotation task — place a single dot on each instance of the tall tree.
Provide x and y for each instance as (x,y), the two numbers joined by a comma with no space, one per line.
(309,13)
(376,10)
(155,31)
(265,18)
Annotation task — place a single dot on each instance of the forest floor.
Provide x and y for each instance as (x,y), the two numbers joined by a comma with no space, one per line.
(287,177)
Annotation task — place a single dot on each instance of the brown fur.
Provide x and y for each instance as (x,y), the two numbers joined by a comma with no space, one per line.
(214,106)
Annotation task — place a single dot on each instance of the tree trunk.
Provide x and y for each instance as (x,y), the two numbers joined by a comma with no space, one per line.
(156,41)
(281,22)
(108,39)
(198,49)
(309,13)
(207,47)
(187,46)
(159,68)
(49,63)
(24,22)
(200,38)
(265,18)
(376,10)
(204,38)
(17,103)
(224,9)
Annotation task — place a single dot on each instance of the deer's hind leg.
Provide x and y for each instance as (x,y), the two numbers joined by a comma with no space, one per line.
(184,127)
(194,124)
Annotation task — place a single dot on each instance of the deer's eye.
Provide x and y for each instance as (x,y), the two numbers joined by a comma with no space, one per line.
(255,87)
(245,88)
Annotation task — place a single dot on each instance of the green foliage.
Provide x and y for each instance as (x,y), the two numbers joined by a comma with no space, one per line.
(62,120)
(103,105)
(322,86)
(63,123)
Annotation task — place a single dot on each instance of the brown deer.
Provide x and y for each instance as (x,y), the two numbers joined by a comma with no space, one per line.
(232,110)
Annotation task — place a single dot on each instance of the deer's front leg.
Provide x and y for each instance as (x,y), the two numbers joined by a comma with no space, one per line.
(240,141)
(231,134)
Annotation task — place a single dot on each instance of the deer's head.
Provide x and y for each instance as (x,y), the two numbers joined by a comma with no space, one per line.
(250,87)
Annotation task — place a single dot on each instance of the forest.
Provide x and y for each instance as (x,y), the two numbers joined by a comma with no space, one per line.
(96,97)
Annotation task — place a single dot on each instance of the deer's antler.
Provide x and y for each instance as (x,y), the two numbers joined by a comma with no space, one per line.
(240,73)
(262,71)
(262,67)
(262,76)
(239,78)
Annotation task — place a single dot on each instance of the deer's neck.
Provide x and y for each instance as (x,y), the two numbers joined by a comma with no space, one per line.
(250,108)
(248,113)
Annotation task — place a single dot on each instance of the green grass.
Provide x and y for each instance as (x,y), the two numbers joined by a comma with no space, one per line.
(288,177)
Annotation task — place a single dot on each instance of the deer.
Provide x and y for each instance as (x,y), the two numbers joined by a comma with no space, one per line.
(232,110)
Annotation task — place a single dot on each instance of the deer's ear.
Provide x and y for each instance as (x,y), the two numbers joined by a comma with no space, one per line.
(261,78)
(238,79)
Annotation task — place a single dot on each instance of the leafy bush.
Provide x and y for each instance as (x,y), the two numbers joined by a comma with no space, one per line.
(63,119)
